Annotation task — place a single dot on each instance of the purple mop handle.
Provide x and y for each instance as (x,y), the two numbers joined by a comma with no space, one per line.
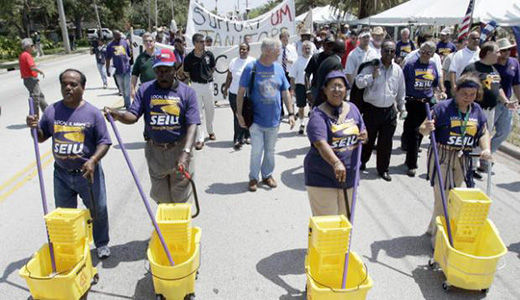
(354,194)
(140,188)
(34,133)
(438,168)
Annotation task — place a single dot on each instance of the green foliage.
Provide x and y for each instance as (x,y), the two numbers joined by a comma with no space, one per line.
(263,9)
(9,47)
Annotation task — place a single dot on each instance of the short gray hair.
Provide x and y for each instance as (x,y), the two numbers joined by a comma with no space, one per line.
(27,42)
(429,44)
(307,43)
(270,44)
(405,30)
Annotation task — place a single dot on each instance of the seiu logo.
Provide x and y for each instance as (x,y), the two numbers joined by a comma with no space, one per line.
(164,120)
(68,140)
(340,143)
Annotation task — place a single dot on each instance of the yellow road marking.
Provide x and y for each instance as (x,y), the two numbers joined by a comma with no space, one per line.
(27,178)
(22,172)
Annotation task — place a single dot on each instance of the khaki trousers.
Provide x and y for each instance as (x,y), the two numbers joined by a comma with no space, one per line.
(452,175)
(328,201)
(168,185)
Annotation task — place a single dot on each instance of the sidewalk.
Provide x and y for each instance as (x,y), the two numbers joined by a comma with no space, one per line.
(13,65)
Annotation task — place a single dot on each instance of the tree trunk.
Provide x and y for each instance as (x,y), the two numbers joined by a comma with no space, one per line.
(77,24)
(364,9)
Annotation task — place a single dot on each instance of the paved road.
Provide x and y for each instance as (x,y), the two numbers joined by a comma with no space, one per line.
(253,244)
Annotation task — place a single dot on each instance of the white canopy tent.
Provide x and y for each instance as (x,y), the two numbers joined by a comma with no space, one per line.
(327,14)
(447,12)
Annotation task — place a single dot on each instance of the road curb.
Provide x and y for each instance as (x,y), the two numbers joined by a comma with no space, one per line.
(510,149)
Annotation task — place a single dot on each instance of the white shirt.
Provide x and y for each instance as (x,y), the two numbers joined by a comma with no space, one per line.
(358,56)
(414,55)
(298,45)
(236,67)
(291,55)
(388,88)
(446,64)
(378,50)
(461,59)
(298,70)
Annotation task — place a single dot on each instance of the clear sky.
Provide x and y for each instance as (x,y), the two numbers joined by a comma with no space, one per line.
(229,5)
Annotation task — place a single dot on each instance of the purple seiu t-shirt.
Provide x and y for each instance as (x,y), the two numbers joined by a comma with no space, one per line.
(119,52)
(167,112)
(343,140)
(75,133)
(445,48)
(449,125)
(402,49)
(509,75)
(420,79)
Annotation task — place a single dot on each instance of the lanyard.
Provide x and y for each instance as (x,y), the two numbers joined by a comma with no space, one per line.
(464,125)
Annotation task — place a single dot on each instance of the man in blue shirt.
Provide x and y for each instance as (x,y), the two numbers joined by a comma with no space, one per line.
(119,51)
(269,87)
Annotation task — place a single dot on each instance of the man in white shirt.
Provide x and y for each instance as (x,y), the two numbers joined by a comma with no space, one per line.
(297,75)
(361,54)
(287,57)
(384,94)
(305,35)
(378,36)
(446,63)
(464,57)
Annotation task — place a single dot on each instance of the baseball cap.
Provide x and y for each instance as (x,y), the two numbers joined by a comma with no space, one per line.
(305,31)
(446,31)
(165,57)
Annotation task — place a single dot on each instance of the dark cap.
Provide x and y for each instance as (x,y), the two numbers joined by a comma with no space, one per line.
(335,74)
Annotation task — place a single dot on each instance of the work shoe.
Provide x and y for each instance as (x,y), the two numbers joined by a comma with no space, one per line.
(247,141)
(253,185)
(385,176)
(269,181)
(237,146)
(302,128)
(411,172)
(103,252)
(477,175)
(199,145)
(363,167)
(212,136)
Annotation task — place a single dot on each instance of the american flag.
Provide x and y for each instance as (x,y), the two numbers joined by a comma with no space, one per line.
(486,30)
(466,22)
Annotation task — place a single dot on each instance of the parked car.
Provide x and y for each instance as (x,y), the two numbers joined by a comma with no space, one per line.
(92,34)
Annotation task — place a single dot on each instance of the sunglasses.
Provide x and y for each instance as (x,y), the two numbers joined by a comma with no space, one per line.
(426,52)
(389,51)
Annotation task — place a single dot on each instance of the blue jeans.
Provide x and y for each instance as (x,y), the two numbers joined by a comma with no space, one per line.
(103,72)
(503,122)
(123,81)
(263,140)
(68,185)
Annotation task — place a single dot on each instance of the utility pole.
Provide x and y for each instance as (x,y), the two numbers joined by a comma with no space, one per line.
(150,15)
(63,25)
(97,17)
(156,24)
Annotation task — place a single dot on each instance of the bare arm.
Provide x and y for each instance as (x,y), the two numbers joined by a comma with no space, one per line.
(452,81)
(133,86)
(240,104)
(124,117)
(516,90)
(229,78)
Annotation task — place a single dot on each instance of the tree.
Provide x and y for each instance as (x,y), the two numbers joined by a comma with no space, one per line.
(20,17)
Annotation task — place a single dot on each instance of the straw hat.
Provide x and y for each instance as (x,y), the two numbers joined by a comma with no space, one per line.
(504,43)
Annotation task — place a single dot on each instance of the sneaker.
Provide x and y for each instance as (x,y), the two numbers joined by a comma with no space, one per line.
(411,172)
(302,128)
(212,137)
(103,252)
(269,181)
(104,85)
(237,145)
(253,185)
(248,141)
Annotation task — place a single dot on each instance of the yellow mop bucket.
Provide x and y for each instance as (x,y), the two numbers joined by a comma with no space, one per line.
(471,268)
(358,282)
(174,282)
(68,283)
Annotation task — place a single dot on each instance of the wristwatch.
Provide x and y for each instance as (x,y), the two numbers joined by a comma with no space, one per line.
(187,150)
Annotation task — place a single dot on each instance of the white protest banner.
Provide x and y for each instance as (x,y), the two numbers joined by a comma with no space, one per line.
(226,32)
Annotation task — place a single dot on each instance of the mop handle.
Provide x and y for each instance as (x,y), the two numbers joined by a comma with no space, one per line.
(34,132)
(140,188)
(353,210)
(439,175)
